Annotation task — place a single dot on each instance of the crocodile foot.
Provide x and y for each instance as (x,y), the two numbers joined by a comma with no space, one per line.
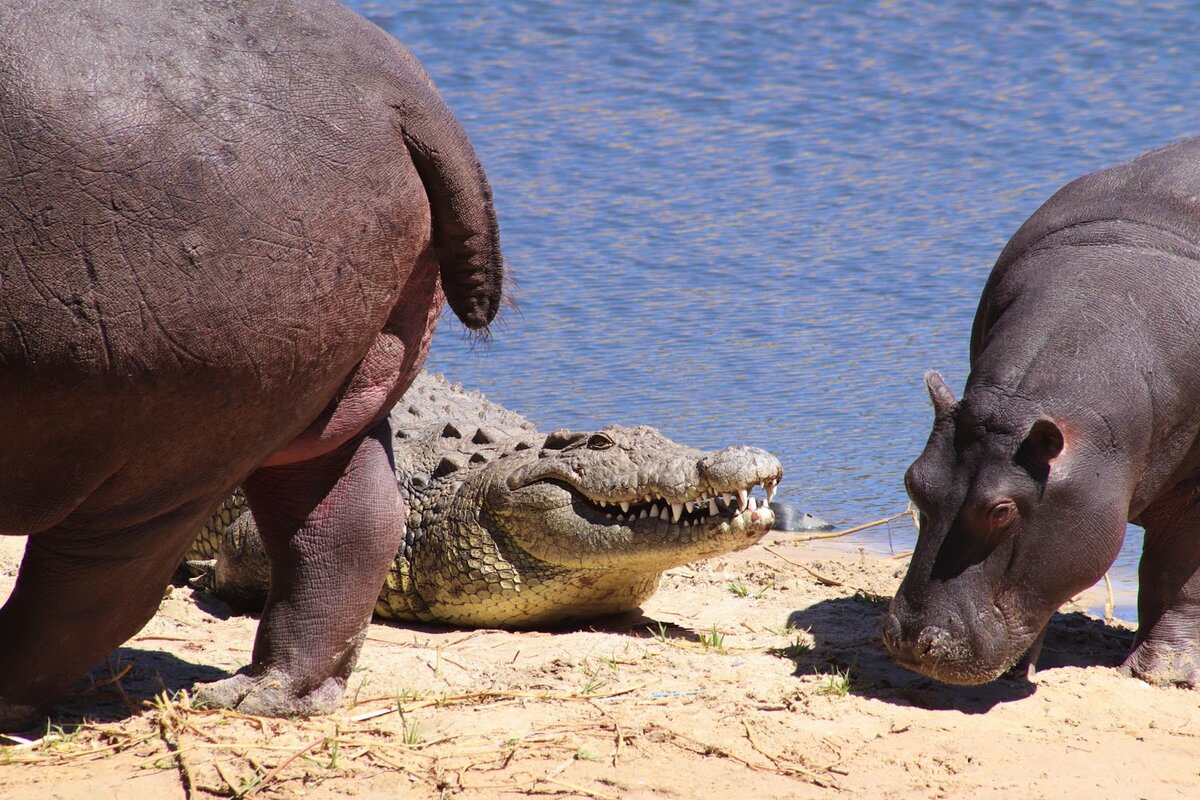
(270,694)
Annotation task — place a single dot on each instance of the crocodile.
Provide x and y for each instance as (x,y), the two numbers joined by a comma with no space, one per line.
(511,528)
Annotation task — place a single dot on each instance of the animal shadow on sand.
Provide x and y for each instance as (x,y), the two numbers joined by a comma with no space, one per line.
(120,686)
(848,646)
(639,625)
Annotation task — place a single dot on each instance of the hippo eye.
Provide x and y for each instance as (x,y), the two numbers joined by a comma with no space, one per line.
(599,441)
(1001,514)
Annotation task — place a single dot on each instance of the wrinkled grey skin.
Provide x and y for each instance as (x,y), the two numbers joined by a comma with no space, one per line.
(225,233)
(1081,411)
(508,527)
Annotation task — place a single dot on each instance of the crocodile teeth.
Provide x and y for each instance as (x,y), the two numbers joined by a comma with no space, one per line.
(725,498)
(752,504)
(712,506)
(690,505)
(676,511)
(624,506)
(644,514)
(742,494)
(770,492)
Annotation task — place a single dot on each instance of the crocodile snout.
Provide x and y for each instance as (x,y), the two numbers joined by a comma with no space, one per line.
(740,466)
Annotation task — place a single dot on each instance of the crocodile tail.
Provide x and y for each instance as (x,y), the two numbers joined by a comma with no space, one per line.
(466,237)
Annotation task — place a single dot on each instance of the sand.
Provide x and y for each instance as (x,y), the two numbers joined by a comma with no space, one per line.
(756,675)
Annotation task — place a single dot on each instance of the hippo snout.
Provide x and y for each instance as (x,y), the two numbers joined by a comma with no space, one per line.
(918,647)
(939,643)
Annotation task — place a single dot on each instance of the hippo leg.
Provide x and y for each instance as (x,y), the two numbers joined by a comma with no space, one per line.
(78,595)
(1167,647)
(331,526)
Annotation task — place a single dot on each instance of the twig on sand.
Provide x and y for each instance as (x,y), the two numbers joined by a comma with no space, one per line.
(1109,603)
(578,789)
(908,512)
(616,729)
(754,745)
(489,695)
(278,768)
(793,770)
(826,581)
(170,723)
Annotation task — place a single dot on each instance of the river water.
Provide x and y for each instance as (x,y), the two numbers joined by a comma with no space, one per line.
(760,223)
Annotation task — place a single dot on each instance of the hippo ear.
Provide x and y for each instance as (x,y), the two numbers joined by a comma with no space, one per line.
(939,393)
(1042,445)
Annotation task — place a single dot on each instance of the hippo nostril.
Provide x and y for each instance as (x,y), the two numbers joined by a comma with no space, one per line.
(931,640)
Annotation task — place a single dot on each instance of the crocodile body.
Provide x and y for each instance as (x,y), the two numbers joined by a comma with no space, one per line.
(509,527)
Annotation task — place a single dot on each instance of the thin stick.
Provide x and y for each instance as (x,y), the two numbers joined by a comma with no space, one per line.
(824,580)
(399,767)
(468,696)
(233,789)
(578,789)
(166,729)
(848,531)
(791,769)
(270,776)
(757,749)
(616,729)
(1108,600)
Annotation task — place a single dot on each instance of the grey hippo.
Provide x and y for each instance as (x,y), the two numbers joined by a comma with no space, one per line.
(1081,412)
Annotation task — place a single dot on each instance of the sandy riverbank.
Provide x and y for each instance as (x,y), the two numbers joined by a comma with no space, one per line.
(757,675)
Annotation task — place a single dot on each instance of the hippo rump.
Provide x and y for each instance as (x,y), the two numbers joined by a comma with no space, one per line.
(1081,411)
(227,228)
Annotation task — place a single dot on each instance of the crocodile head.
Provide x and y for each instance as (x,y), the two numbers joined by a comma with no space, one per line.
(631,498)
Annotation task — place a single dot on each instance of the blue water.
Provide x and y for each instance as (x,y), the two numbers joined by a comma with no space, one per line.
(760,223)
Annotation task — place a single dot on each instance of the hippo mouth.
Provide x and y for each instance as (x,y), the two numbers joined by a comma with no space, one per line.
(952,651)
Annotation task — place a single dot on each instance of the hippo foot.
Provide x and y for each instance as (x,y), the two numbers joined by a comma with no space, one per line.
(270,695)
(1164,664)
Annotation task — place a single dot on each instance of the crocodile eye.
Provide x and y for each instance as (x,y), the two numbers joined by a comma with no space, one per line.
(599,441)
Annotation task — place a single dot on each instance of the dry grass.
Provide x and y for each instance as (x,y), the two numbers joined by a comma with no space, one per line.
(716,697)
(222,753)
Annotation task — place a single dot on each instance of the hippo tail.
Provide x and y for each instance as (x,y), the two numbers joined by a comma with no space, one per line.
(466,237)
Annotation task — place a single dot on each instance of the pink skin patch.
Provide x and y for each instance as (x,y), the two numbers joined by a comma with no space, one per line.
(383,375)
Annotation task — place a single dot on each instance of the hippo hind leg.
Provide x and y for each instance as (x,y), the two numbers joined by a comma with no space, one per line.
(331,527)
(1167,647)
(79,594)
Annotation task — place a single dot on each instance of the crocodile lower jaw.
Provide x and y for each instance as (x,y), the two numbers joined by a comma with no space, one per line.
(724,531)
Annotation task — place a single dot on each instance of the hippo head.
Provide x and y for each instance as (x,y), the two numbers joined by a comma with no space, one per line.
(1019,511)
